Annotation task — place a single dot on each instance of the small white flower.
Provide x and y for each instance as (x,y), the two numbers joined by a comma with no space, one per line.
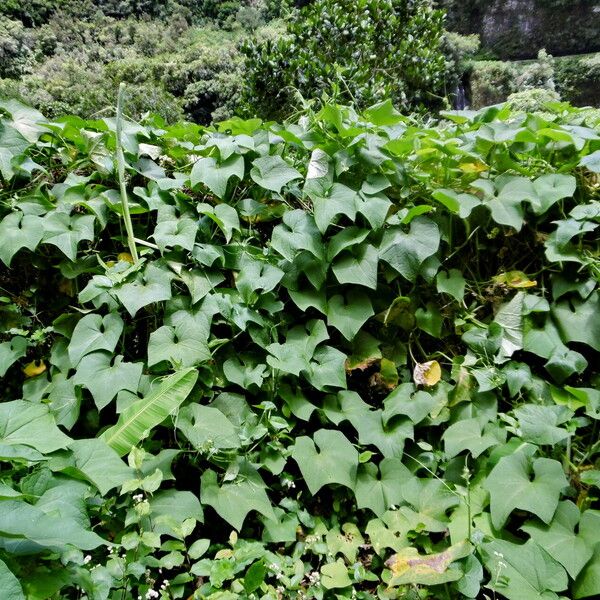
(87,559)
(152,594)
(314,577)
(138,497)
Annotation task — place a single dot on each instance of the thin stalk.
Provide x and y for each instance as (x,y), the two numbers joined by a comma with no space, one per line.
(121,175)
(145,243)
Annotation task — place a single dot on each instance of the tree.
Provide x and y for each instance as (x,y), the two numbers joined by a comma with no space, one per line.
(360,51)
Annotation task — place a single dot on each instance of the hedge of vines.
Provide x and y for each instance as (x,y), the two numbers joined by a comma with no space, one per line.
(352,356)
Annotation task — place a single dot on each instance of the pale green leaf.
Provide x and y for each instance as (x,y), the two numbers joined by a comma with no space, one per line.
(225,216)
(9,584)
(216,175)
(11,352)
(31,424)
(175,231)
(65,231)
(297,232)
(349,314)
(104,375)
(340,200)
(335,461)
(206,427)
(551,188)
(169,508)
(335,575)
(154,285)
(327,369)
(233,501)
(468,434)
(185,345)
(272,173)
(512,486)
(94,332)
(358,266)
(452,283)
(19,231)
(406,252)
(523,572)
(379,488)
(577,321)
(588,582)
(572,550)
(99,464)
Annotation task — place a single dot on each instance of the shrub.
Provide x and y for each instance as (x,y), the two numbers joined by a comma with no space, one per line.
(539,74)
(578,79)
(357,50)
(208,78)
(70,83)
(15,51)
(532,99)
(491,82)
(32,12)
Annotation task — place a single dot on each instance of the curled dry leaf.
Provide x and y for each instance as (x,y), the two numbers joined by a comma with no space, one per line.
(410,567)
(514,279)
(34,368)
(427,373)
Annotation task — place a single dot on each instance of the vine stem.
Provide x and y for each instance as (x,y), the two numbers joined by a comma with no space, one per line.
(121,175)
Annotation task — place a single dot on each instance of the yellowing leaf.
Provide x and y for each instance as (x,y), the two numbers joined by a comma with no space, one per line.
(428,373)
(34,368)
(410,567)
(470,167)
(514,279)
(66,287)
(125,257)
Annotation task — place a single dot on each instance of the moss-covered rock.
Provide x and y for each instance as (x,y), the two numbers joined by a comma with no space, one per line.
(519,28)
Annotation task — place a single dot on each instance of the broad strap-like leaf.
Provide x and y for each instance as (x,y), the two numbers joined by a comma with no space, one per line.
(136,422)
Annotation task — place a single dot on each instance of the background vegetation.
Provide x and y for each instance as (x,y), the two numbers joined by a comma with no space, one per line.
(208,60)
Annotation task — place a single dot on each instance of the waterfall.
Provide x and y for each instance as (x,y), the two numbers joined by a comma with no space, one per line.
(460,97)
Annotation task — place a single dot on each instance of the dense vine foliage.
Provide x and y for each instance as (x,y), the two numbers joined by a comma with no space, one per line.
(352,356)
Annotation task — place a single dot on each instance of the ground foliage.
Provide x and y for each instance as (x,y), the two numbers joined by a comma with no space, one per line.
(356,357)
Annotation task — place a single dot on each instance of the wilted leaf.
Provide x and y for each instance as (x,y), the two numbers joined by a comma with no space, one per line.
(428,373)
(34,368)
(410,567)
